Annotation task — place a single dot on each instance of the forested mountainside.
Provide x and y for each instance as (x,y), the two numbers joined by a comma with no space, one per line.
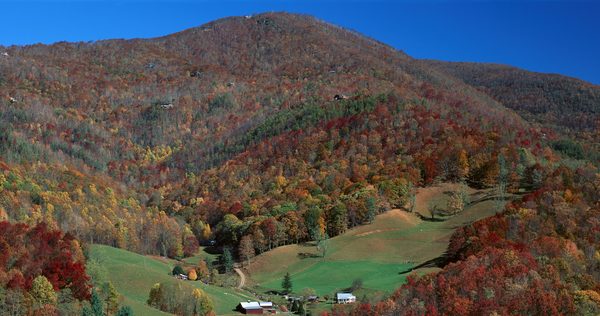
(565,104)
(273,129)
(547,98)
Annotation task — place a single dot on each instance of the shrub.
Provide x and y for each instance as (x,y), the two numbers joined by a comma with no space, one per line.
(177,270)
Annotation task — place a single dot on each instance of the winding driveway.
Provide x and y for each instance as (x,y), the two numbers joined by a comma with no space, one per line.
(242,277)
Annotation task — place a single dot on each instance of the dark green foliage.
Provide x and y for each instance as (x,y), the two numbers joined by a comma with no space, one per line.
(337,220)
(17,149)
(125,311)
(371,209)
(283,208)
(286,284)
(297,118)
(96,303)
(227,260)
(177,270)
(311,220)
(87,311)
(569,148)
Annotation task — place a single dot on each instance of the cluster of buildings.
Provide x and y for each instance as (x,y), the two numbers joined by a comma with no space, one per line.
(259,308)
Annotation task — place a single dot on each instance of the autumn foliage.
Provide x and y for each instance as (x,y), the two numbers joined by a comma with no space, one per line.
(538,257)
(27,252)
(230,134)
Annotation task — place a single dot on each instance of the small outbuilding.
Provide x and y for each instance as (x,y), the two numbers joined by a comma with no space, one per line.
(181,277)
(268,307)
(345,298)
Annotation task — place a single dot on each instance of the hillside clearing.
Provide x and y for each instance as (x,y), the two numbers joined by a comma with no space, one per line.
(396,241)
(133,275)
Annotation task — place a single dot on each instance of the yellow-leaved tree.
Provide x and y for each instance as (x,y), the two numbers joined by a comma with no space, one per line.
(42,291)
(203,304)
(192,275)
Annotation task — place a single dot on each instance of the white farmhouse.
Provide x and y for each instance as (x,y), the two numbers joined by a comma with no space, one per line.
(345,298)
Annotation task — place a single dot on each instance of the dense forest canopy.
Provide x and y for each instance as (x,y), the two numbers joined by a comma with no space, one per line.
(278,128)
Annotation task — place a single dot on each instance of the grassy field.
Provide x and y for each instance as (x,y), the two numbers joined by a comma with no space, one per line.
(133,275)
(376,253)
(201,255)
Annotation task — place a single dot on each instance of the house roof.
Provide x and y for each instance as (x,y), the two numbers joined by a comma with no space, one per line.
(256,305)
(250,305)
(345,296)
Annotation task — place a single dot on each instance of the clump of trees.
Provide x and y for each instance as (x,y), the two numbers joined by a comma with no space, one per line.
(43,270)
(178,299)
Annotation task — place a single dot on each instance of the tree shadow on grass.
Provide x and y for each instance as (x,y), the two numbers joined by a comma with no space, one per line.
(429,219)
(305,255)
(438,262)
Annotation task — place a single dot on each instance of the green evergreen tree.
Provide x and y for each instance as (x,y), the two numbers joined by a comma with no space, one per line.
(125,311)
(96,302)
(227,260)
(87,311)
(111,297)
(286,284)
(177,270)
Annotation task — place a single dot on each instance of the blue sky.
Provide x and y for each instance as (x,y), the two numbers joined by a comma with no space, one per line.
(547,36)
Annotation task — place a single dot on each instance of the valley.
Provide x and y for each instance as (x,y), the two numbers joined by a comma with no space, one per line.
(188,173)
(380,254)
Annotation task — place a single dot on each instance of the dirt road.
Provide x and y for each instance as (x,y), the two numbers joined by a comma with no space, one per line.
(242,277)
